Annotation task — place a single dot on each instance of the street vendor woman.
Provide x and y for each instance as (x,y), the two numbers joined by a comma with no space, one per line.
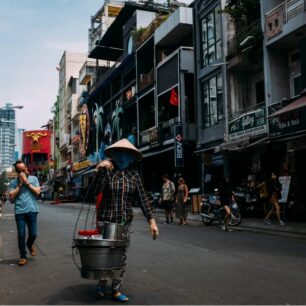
(121,184)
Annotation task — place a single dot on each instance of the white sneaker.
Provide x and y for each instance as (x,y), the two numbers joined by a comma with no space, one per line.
(282,222)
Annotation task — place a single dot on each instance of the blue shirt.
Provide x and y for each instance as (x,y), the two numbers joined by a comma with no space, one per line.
(25,201)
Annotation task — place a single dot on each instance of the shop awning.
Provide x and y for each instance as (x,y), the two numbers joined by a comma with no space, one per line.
(157,152)
(297,104)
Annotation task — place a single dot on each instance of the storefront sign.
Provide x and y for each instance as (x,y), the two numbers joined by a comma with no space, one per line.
(288,123)
(84,129)
(150,137)
(250,124)
(81,165)
(178,146)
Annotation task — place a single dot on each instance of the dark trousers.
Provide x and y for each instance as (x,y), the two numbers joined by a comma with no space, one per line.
(29,219)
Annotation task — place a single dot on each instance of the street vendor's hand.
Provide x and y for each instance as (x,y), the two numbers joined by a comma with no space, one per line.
(106,164)
(153,229)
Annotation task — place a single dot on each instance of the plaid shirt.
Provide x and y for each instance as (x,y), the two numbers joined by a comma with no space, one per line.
(120,189)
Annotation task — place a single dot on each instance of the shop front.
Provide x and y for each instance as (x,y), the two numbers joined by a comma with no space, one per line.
(287,130)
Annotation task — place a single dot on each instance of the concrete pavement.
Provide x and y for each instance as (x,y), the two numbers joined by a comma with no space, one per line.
(291,229)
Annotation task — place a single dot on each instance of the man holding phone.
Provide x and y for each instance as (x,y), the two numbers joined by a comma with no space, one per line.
(23,191)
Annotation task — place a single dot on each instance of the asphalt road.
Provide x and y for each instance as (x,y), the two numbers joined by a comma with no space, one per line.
(185,265)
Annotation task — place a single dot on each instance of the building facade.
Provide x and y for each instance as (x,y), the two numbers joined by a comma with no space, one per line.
(7,137)
(36,152)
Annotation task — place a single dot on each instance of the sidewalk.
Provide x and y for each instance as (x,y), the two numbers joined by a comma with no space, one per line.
(292,229)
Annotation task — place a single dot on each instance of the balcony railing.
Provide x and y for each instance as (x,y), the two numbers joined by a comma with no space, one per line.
(87,72)
(105,74)
(289,9)
(252,31)
(235,115)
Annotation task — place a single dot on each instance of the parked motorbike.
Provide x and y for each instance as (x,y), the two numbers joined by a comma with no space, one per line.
(153,198)
(212,211)
(248,201)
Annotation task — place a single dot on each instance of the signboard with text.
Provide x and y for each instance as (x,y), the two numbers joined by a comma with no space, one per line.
(288,123)
(250,124)
(178,146)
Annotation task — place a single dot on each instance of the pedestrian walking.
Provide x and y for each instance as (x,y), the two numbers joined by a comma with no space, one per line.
(226,194)
(167,198)
(181,201)
(23,191)
(263,194)
(274,193)
(43,196)
(121,184)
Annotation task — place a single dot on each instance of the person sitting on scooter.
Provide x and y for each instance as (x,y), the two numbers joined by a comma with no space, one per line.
(225,193)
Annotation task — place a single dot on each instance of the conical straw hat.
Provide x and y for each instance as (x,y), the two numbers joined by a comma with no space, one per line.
(123,144)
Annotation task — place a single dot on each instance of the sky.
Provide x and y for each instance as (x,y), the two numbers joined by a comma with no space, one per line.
(33,36)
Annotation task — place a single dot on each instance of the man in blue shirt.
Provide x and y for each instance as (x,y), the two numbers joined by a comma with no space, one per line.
(23,191)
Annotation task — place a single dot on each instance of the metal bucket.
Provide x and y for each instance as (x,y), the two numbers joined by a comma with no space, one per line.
(99,256)
(112,231)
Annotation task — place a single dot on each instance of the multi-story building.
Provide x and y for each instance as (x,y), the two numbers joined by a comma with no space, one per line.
(69,68)
(19,143)
(211,95)
(145,93)
(285,77)
(7,137)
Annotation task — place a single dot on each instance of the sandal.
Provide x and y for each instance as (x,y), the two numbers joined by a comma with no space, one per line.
(120,298)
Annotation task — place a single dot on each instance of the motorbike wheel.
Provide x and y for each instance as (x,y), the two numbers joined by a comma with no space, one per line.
(235,218)
(207,221)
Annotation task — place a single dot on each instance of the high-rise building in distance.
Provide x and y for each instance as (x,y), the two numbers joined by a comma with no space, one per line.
(7,136)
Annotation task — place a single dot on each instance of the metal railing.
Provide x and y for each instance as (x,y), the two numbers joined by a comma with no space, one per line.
(234,43)
(106,74)
(289,8)
(237,114)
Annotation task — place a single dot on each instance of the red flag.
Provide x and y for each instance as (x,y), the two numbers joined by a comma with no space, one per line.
(173,97)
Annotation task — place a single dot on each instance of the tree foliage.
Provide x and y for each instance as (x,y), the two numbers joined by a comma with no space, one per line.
(244,12)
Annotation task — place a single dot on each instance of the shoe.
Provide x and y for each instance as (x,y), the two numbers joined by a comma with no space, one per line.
(167,222)
(22,262)
(120,298)
(32,250)
(282,222)
(223,227)
(266,221)
(100,291)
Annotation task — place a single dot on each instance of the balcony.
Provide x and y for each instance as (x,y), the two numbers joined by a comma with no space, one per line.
(87,72)
(167,70)
(75,140)
(73,106)
(244,39)
(64,141)
(284,19)
(175,28)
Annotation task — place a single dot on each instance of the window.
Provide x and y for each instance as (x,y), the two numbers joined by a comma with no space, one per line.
(212,109)
(211,37)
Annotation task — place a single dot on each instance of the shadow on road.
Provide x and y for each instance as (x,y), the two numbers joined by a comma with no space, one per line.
(79,294)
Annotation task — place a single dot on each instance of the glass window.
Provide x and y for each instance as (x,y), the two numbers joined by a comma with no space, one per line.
(211,37)
(212,97)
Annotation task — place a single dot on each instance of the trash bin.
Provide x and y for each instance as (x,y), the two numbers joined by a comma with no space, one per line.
(195,198)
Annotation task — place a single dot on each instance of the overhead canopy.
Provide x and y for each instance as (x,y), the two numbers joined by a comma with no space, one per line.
(297,104)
